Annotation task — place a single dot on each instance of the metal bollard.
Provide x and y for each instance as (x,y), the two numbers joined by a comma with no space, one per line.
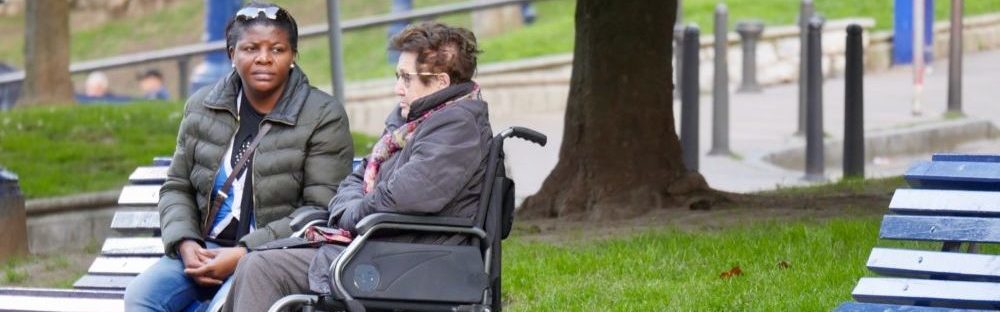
(806,12)
(689,100)
(955,59)
(750,32)
(13,218)
(678,58)
(720,85)
(814,106)
(854,99)
(182,78)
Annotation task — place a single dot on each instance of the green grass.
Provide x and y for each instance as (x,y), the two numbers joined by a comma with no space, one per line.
(74,149)
(843,186)
(12,273)
(668,269)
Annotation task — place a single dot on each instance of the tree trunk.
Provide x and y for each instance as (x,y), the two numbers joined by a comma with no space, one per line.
(620,155)
(46,53)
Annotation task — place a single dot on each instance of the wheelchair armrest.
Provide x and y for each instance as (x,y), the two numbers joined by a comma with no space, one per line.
(303,218)
(381,218)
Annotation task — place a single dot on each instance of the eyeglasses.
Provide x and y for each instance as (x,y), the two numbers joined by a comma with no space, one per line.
(249,13)
(407,77)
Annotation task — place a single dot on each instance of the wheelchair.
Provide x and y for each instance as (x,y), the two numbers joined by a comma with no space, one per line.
(393,276)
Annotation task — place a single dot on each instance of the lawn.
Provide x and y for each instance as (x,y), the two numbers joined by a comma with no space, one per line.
(785,266)
(74,149)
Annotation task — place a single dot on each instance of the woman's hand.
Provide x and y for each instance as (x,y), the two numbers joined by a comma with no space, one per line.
(195,257)
(221,266)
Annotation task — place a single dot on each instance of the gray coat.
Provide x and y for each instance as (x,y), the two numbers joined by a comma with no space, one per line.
(439,171)
(297,164)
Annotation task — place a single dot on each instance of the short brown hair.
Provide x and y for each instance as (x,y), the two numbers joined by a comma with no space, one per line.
(440,49)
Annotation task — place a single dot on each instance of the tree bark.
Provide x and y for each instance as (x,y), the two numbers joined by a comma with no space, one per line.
(46,53)
(620,155)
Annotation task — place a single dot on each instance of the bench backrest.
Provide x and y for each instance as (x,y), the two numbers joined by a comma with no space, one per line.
(954,199)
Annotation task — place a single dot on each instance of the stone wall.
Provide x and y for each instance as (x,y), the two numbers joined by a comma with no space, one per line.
(541,85)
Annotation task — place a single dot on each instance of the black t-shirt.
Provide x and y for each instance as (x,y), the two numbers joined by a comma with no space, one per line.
(249,124)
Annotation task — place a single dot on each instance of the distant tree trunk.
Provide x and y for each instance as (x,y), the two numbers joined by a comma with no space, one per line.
(46,53)
(620,155)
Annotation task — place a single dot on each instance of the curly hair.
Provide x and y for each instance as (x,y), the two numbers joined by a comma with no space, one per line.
(440,49)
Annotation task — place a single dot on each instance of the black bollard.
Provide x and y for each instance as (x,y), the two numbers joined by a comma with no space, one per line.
(805,13)
(678,58)
(955,59)
(689,100)
(750,32)
(814,106)
(720,85)
(854,103)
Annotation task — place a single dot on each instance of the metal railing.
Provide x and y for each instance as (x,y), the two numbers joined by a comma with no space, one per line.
(183,54)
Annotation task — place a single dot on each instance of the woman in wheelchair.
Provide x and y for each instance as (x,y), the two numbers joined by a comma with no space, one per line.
(256,146)
(430,160)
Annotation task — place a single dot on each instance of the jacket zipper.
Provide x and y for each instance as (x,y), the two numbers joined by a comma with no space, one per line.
(253,180)
(218,163)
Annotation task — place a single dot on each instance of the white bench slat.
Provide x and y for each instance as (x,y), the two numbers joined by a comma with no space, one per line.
(59,300)
(139,195)
(945,202)
(940,228)
(132,246)
(135,221)
(103,282)
(121,265)
(148,175)
(903,262)
(959,294)
(49,304)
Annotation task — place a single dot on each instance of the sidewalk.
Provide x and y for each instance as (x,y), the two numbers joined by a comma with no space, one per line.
(764,123)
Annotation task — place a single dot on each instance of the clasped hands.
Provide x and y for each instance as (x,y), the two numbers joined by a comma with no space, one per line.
(209,267)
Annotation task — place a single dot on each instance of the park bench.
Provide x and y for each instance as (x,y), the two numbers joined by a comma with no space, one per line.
(954,201)
(133,246)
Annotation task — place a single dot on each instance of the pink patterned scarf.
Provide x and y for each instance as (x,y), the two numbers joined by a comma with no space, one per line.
(395,140)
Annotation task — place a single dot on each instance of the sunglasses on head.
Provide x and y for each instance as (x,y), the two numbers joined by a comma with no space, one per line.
(250,13)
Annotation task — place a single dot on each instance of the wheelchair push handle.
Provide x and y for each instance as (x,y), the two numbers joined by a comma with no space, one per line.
(526,134)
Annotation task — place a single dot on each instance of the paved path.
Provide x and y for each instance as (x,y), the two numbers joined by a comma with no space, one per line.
(764,123)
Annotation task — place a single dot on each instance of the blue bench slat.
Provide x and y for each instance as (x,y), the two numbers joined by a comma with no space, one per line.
(965,157)
(955,294)
(945,202)
(103,282)
(852,306)
(955,175)
(938,228)
(940,265)
(162,161)
(148,175)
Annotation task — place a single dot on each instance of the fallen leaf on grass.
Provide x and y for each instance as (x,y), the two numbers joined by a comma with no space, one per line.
(735,271)
(784,264)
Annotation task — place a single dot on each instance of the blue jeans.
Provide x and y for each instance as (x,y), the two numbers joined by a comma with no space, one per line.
(165,287)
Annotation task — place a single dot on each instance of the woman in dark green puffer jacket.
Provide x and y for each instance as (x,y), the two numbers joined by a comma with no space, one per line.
(304,151)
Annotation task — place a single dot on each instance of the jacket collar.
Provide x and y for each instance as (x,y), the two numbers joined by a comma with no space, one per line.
(430,101)
(418,107)
(223,97)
